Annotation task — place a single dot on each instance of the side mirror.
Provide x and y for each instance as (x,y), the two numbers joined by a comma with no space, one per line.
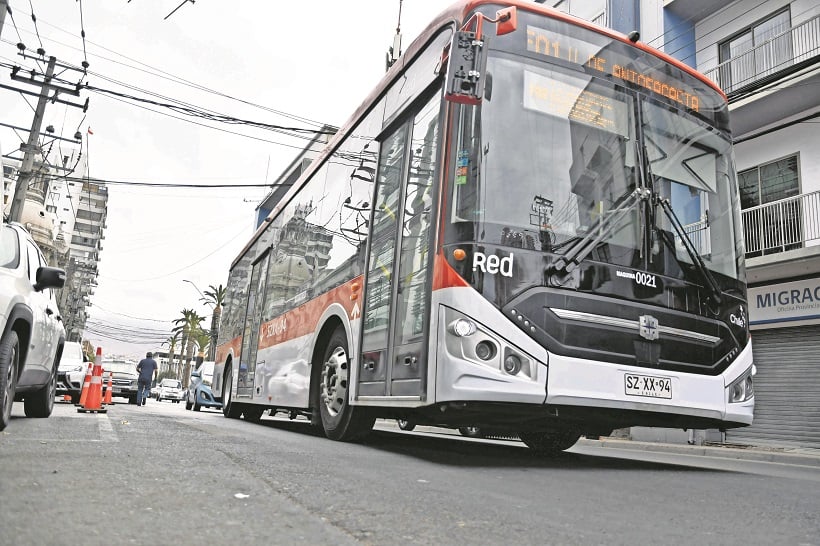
(467,57)
(49,277)
(196,373)
(465,68)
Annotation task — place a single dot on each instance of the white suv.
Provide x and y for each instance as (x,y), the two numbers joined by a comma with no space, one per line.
(32,330)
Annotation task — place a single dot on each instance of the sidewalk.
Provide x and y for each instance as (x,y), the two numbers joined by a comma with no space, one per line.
(771,454)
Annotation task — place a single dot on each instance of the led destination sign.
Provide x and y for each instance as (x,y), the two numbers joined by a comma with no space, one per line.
(574,50)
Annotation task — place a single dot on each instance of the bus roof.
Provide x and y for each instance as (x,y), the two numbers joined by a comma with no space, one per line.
(455,14)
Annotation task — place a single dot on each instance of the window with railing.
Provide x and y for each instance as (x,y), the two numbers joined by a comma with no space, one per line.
(749,59)
(772,208)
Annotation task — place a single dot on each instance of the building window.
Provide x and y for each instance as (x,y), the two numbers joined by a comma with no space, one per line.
(772,209)
(757,51)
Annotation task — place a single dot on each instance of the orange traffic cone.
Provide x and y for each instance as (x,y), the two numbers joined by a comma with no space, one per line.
(108,389)
(93,401)
(86,384)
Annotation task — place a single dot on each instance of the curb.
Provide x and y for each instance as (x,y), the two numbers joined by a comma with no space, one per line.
(747,453)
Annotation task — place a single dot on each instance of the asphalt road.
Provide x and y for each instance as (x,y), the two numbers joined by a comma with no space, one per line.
(162,475)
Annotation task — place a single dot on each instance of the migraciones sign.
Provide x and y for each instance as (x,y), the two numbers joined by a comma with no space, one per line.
(785,302)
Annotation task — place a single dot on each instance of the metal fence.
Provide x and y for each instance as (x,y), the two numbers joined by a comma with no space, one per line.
(781,51)
(782,225)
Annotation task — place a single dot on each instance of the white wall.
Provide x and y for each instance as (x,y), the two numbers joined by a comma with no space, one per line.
(652,23)
(726,22)
(803,138)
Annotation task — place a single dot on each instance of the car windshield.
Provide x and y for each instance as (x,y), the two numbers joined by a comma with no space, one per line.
(171,383)
(72,353)
(9,248)
(120,366)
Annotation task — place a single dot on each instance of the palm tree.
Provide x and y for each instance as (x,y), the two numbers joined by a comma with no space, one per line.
(202,338)
(215,295)
(186,325)
(172,346)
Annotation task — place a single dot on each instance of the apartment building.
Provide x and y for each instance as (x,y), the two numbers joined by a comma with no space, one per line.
(84,251)
(765,55)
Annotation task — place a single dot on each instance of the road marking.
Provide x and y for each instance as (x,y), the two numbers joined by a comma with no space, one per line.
(107,433)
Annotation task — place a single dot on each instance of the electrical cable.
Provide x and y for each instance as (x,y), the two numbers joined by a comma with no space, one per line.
(34,19)
(217,249)
(173,78)
(13,22)
(196,112)
(82,34)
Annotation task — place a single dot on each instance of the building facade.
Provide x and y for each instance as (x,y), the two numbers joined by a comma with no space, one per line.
(84,251)
(765,55)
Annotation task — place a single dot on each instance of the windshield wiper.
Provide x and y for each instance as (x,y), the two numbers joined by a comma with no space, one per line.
(711,283)
(580,250)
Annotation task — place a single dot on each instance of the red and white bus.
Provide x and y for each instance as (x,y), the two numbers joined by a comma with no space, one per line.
(531,225)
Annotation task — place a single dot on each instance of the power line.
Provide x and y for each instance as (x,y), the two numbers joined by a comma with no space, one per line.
(202,113)
(11,14)
(159,73)
(165,184)
(34,19)
(231,240)
(82,34)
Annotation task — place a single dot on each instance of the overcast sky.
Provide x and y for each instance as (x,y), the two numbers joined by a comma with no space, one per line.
(314,60)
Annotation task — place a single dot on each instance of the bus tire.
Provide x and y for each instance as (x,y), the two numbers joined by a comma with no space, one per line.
(340,420)
(550,443)
(230,409)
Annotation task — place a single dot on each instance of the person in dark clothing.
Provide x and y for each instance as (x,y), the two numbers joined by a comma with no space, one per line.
(147,369)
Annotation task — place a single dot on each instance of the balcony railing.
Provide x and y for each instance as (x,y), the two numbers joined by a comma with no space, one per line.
(789,48)
(783,225)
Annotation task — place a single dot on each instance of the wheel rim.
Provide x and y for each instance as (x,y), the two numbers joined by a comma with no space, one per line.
(11,381)
(335,381)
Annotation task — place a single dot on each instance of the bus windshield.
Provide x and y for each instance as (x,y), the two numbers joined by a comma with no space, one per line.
(553,154)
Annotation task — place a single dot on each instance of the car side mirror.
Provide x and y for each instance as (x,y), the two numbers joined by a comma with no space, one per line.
(196,374)
(49,277)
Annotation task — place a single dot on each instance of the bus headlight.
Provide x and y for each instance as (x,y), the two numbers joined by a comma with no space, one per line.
(462,327)
(742,389)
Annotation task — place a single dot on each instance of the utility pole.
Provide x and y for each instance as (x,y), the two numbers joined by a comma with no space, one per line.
(31,147)
(4,6)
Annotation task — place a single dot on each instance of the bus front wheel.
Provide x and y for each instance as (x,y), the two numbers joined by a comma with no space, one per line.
(340,420)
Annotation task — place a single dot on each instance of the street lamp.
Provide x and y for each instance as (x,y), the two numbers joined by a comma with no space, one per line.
(198,290)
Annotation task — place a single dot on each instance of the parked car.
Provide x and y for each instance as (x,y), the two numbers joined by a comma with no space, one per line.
(31,328)
(71,371)
(170,389)
(124,378)
(199,388)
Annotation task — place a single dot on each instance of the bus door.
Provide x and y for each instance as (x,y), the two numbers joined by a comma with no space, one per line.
(396,312)
(250,335)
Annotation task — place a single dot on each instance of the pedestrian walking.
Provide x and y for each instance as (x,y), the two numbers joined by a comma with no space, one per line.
(147,369)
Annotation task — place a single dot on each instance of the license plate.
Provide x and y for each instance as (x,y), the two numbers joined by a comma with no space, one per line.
(648,385)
